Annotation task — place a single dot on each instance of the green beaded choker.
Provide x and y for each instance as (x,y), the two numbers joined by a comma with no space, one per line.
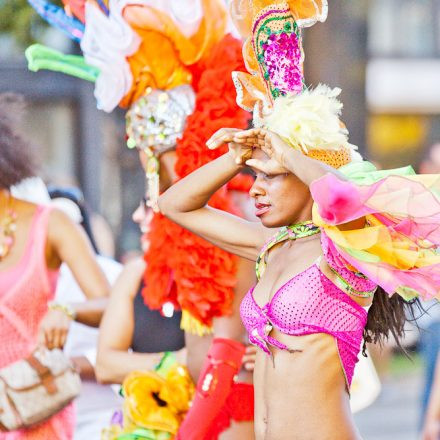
(293,232)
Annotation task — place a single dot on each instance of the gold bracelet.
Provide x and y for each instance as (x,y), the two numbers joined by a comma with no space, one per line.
(67,309)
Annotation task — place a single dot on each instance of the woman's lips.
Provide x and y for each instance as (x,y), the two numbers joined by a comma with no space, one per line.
(261,209)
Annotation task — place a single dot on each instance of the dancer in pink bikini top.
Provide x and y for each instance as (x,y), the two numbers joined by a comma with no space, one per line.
(380,231)
(308,311)
(311,303)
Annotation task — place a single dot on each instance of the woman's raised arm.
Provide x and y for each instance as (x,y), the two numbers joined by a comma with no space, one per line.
(185,203)
(114,361)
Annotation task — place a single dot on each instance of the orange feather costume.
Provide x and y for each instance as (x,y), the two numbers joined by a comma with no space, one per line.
(183,268)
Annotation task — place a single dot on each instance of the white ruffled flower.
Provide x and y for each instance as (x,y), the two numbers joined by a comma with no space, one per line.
(187,15)
(106,44)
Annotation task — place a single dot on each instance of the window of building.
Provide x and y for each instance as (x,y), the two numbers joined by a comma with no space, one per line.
(404,28)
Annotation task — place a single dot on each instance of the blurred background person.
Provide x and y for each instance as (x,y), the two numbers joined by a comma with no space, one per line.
(429,322)
(35,241)
(431,426)
(132,336)
(96,403)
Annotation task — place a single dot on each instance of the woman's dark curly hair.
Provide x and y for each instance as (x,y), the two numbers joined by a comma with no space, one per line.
(387,317)
(16,161)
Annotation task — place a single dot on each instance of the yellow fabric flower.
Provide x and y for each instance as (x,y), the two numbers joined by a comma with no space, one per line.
(156,402)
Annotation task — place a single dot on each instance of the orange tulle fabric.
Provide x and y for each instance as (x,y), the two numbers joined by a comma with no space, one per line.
(183,268)
(165,54)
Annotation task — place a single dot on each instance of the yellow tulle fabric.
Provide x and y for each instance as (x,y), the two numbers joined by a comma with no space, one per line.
(376,240)
(399,246)
(165,53)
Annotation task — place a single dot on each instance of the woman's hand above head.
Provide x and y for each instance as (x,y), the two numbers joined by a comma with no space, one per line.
(270,143)
(239,151)
(270,168)
(306,169)
(186,202)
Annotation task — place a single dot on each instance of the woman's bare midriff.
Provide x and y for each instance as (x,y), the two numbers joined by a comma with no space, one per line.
(301,393)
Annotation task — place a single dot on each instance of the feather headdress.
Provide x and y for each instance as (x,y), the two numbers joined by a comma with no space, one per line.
(274,87)
(310,122)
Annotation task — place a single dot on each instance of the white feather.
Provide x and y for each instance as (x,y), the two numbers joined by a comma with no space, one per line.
(310,120)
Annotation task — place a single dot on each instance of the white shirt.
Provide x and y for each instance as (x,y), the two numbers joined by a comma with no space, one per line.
(96,402)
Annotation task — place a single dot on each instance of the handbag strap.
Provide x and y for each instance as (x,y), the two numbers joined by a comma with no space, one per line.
(3,427)
(44,373)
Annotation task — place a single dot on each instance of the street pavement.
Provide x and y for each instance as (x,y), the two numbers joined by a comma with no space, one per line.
(395,413)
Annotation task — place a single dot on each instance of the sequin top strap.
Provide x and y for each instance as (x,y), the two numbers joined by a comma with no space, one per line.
(293,232)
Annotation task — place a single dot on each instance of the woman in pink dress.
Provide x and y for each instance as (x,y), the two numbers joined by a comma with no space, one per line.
(34,241)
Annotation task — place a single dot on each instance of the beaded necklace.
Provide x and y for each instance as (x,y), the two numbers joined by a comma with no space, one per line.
(344,285)
(293,232)
(302,230)
(8,226)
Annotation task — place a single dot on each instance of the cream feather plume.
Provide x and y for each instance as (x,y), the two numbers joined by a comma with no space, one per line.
(310,120)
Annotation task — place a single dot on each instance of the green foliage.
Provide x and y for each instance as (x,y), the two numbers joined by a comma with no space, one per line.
(20,20)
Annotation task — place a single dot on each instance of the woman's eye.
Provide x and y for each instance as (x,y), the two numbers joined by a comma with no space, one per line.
(268,176)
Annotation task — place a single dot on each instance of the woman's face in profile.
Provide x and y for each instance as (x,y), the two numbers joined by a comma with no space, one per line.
(280,199)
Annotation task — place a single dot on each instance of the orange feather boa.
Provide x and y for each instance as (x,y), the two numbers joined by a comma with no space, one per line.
(194,275)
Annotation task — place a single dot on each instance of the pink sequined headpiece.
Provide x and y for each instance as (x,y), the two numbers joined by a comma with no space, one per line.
(277,45)
(273,49)
(274,87)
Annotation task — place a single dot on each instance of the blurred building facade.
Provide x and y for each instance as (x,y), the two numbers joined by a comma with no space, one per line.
(385,54)
(403,79)
(76,144)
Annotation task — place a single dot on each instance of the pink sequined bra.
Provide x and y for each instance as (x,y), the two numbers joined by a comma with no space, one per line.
(311,303)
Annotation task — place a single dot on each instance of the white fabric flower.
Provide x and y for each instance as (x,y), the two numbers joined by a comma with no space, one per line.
(106,44)
(310,120)
(186,14)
